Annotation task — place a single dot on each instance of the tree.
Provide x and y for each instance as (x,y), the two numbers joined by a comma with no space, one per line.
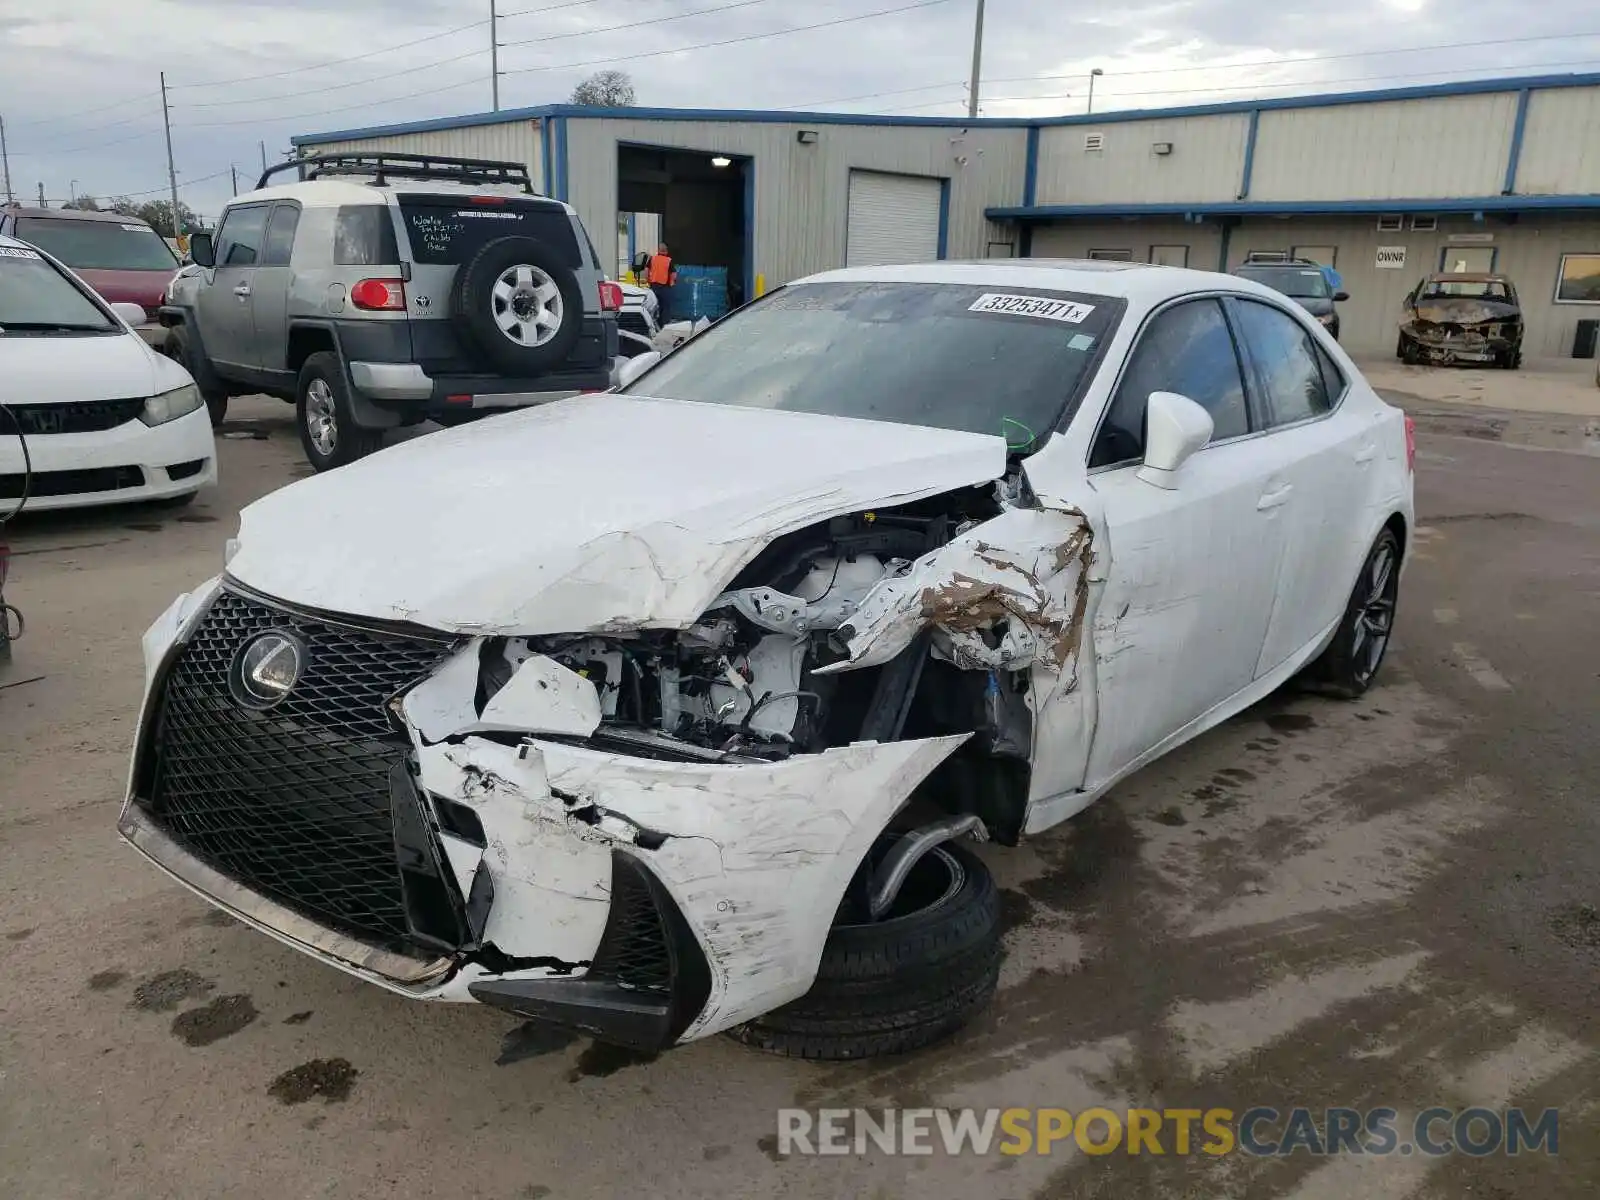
(83,204)
(605,89)
(155,213)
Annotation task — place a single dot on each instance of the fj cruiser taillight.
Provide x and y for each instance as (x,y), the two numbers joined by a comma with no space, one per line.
(1411,444)
(379,295)
(610,296)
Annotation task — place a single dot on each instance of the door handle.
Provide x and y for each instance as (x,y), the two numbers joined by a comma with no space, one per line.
(1274,498)
(242,290)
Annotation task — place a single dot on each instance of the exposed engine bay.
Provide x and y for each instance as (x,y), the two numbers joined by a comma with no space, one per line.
(768,671)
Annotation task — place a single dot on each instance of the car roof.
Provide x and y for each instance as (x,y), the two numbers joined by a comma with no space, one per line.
(1143,283)
(1466,277)
(73,214)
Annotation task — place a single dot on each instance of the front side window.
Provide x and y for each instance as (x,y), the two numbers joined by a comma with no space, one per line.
(1286,363)
(1580,279)
(35,298)
(98,245)
(239,240)
(1185,349)
(993,360)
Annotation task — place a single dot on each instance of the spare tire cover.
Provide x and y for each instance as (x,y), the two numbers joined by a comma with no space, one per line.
(520,304)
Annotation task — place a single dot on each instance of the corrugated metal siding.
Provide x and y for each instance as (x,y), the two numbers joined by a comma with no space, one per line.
(1206,162)
(515,141)
(1452,146)
(1561,143)
(802,192)
(1076,239)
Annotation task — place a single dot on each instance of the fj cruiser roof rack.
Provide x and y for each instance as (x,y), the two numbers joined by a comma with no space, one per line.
(405,166)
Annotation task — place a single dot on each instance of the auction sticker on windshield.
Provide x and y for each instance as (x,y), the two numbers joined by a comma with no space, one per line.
(1042,307)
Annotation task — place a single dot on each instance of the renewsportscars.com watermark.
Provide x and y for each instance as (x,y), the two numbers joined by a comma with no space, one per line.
(1261,1132)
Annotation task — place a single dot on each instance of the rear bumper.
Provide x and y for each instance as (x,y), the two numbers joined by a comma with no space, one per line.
(408,385)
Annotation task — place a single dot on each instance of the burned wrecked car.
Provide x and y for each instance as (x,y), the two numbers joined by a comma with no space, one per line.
(1462,318)
(673,710)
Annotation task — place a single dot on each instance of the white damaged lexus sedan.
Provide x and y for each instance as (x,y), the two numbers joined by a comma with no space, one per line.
(670,710)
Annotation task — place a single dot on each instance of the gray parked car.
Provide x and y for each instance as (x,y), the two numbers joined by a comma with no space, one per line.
(379,290)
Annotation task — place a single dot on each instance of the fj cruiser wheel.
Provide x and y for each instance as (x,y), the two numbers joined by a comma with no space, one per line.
(520,304)
(902,982)
(328,431)
(1350,663)
(179,348)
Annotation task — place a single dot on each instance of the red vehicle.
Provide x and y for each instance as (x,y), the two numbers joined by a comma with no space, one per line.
(121,257)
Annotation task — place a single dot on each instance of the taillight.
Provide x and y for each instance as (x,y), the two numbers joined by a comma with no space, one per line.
(610,296)
(1411,444)
(379,295)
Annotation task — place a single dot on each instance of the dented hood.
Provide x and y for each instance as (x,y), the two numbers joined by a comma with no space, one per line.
(600,513)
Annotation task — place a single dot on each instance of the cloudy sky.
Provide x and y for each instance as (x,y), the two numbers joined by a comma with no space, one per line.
(79,88)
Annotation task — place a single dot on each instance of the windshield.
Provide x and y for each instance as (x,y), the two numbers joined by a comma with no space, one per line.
(1307,283)
(1477,289)
(98,245)
(981,359)
(35,296)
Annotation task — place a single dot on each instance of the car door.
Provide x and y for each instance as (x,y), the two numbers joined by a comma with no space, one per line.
(1188,590)
(227,319)
(269,299)
(1327,455)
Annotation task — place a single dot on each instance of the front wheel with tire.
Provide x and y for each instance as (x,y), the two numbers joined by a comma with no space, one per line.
(1350,663)
(328,430)
(905,981)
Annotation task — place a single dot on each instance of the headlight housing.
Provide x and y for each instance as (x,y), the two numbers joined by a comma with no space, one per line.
(169,406)
(1327,318)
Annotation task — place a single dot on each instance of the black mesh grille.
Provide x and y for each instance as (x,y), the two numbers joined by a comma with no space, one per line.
(633,322)
(634,951)
(38,420)
(292,802)
(71,483)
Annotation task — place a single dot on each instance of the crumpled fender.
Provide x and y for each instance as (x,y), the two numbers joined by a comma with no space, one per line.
(757,855)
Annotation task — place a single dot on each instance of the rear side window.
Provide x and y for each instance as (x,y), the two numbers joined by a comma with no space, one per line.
(280,236)
(1286,362)
(449,233)
(239,240)
(1186,349)
(363,236)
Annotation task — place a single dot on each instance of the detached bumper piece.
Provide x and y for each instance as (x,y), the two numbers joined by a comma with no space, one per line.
(649,978)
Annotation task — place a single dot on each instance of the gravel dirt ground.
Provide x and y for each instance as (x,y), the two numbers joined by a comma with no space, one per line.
(1392,901)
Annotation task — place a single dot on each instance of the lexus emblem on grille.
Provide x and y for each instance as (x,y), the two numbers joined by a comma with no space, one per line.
(267,668)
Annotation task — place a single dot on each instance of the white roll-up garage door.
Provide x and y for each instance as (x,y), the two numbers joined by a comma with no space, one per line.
(893,219)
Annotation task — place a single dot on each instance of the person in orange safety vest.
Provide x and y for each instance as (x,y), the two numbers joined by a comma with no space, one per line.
(661,275)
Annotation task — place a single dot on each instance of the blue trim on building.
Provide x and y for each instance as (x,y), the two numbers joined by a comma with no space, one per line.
(1249,154)
(758,116)
(944,219)
(561,158)
(1222,251)
(633,238)
(1030,172)
(1517,130)
(547,183)
(749,168)
(1476,205)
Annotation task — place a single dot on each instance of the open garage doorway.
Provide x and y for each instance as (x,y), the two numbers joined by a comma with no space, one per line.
(701,203)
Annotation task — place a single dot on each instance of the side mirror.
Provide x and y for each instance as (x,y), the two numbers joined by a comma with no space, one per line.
(1175,427)
(201,250)
(131,313)
(635,367)
(1340,296)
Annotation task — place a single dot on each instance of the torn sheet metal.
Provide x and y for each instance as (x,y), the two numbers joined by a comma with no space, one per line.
(542,696)
(757,856)
(1005,595)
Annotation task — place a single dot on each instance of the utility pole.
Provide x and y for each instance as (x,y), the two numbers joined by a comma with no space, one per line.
(5,158)
(172,171)
(233,173)
(494,54)
(263,158)
(977,63)
(42,203)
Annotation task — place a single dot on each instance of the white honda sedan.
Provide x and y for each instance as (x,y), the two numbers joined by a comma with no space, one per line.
(91,414)
(610,713)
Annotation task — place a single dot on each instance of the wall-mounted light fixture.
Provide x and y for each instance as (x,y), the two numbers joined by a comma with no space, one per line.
(719,161)
(806,137)
(1161,147)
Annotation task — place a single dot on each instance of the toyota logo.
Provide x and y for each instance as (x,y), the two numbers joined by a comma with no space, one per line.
(267,668)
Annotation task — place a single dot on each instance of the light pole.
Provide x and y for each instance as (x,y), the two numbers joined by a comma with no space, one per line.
(1092,76)
(72,193)
(977,64)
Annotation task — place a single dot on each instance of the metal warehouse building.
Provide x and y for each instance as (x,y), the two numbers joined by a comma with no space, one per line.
(1387,186)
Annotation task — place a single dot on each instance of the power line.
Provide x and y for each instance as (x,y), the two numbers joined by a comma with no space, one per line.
(752,37)
(331,111)
(871,96)
(53,153)
(532,12)
(432,37)
(698,12)
(336,87)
